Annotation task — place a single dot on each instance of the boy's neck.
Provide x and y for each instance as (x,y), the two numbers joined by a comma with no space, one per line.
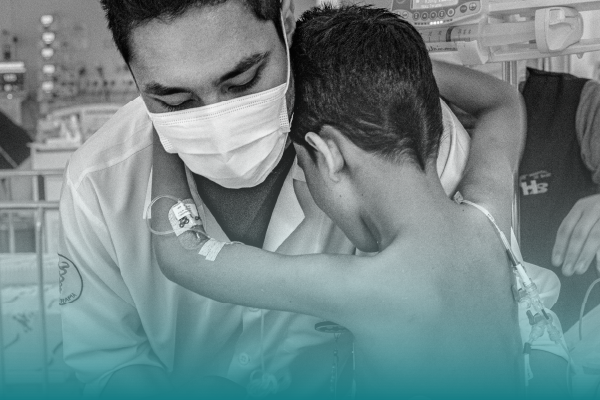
(399,198)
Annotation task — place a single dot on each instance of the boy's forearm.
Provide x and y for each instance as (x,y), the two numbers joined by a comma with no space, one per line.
(497,137)
(500,127)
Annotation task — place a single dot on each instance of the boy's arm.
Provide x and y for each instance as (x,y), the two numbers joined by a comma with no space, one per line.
(498,134)
(245,275)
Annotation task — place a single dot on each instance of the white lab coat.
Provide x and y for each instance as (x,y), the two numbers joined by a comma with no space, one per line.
(119,310)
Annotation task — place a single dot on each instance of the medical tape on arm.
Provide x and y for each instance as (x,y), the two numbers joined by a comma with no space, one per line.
(187,225)
(184,217)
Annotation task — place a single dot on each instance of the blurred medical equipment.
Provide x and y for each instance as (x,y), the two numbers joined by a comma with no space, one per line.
(68,74)
(482,31)
(12,89)
(71,126)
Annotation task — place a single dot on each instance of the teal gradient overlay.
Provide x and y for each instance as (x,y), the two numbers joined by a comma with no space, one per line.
(221,388)
(65,392)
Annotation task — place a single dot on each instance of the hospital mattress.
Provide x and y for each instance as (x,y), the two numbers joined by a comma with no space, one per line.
(21,321)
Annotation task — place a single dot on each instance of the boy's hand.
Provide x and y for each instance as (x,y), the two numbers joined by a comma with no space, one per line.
(578,238)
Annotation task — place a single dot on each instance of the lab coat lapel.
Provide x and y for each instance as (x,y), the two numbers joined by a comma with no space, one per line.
(287,214)
(212,227)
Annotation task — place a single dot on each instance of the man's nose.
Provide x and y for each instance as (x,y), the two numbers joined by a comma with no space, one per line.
(217,97)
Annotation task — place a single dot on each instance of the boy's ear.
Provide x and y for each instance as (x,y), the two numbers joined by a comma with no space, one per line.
(329,157)
(289,21)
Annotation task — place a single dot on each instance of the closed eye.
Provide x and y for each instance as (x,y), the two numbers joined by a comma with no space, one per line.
(250,84)
(177,107)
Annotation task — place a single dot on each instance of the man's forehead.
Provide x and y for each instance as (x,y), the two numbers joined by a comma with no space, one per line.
(207,39)
(208,27)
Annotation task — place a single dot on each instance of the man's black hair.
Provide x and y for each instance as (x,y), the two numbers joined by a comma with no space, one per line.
(367,73)
(124,16)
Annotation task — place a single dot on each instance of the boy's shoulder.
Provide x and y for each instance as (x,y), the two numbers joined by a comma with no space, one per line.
(449,261)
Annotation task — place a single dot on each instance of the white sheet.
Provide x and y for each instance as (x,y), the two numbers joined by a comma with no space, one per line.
(21,319)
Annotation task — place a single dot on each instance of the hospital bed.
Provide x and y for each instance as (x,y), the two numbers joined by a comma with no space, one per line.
(30,327)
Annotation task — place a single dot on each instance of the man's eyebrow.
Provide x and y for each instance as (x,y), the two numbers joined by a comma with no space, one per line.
(161,90)
(244,65)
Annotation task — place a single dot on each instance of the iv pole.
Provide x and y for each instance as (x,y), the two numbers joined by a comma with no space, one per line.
(510,75)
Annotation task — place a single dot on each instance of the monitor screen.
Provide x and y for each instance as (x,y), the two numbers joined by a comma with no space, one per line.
(425,4)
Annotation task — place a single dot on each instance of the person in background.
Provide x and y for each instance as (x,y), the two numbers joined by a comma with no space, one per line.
(559,182)
(560,207)
(559,195)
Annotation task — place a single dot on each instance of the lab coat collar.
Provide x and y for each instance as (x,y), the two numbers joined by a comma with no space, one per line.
(287,214)
(286,217)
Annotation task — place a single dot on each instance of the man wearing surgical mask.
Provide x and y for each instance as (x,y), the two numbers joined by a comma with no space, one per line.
(216,88)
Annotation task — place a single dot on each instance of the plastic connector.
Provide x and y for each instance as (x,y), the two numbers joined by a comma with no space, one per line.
(553,332)
(537,331)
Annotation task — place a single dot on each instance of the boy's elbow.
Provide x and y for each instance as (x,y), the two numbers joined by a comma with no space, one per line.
(518,104)
(521,120)
(515,114)
(510,99)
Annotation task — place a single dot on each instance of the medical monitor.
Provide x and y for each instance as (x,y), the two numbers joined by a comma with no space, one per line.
(423,13)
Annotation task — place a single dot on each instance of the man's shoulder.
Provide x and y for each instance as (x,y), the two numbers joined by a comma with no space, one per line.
(119,143)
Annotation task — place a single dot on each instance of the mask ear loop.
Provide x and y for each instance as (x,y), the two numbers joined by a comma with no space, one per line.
(287,53)
(148,213)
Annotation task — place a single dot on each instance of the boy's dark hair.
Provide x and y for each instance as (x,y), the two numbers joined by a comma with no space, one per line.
(124,16)
(367,73)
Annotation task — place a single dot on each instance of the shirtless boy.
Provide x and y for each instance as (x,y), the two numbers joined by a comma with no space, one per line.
(432,313)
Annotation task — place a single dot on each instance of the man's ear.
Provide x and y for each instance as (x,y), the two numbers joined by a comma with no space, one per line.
(330,160)
(289,21)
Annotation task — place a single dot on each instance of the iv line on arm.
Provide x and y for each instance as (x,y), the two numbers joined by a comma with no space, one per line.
(188,227)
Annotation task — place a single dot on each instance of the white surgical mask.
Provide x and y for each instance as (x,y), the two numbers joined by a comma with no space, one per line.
(234,143)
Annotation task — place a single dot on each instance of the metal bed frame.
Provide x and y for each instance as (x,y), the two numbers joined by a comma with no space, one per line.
(39,208)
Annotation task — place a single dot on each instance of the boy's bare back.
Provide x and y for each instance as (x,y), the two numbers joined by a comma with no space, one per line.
(449,318)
